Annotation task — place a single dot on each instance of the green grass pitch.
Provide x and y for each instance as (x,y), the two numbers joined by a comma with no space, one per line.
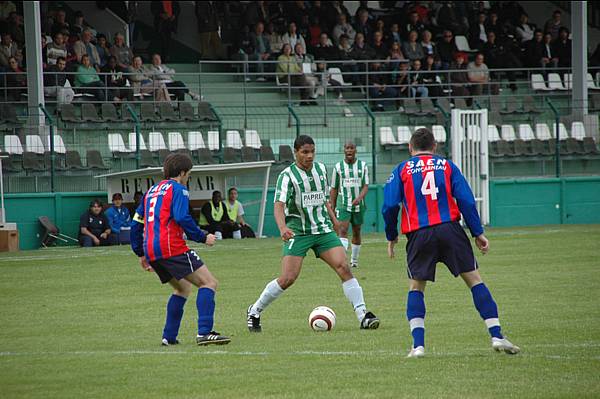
(78,323)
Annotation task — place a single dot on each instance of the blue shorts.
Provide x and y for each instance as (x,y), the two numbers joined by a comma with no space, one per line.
(177,267)
(447,243)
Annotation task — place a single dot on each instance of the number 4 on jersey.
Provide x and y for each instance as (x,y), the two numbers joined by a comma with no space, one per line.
(428,187)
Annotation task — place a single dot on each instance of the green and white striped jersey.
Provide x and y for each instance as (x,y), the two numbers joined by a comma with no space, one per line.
(348,180)
(305,194)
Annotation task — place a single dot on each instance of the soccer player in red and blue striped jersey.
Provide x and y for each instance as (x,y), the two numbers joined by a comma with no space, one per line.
(157,237)
(432,194)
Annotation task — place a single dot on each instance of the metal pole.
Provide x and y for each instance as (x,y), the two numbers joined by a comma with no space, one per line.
(137,135)
(33,47)
(52,152)
(263,201)
(2,193)
(245,102)
(324,80)
(557,135)
(373,141)
(579,57)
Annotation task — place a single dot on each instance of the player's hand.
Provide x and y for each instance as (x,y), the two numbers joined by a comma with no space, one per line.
(356,202)
(390,248)
(96,240)
(286,234)
(210,240)
(145,265)
(482,243)
(104,235)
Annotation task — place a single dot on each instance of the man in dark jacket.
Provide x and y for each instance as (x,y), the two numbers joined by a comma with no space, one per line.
(208,27)
(166,15)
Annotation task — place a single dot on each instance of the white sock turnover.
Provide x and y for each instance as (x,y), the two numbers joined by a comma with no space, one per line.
(354,293)
(344,243)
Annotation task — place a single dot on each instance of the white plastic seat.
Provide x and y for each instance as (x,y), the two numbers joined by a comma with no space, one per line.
(568,79)
(538,83)
(195,141)
(33,143)
(439,132)
(132,142)
(213,140)
(280,83)
(578,130)
(336,74)
(12,144)
(386,136)
(116,143)
(462,44)
(508,133)
(59,144)
(542,131)
(252,139)
(156,141)
(175,141)
(493,134)
(554,82)
(404,134)
(474,133)
(526,132)
(233,139)
(590,83)
(419,127)
(562,131)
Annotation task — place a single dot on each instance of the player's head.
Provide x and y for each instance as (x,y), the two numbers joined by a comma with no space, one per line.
(232,194)
(117,199)
(177,167)
(350,151)
(304,148)
(96,207)
(137,197)
(216,197)
(422,140)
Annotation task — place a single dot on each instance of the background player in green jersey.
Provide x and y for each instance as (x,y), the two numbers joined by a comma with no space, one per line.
(304,217)
(350,179)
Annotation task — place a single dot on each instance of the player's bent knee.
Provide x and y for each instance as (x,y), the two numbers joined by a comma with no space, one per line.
(286,281)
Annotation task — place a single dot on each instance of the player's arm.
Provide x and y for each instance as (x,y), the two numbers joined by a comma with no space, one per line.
(333,193)
(392,198)
(181,213)
(136,235)
(279,213)
(365,188)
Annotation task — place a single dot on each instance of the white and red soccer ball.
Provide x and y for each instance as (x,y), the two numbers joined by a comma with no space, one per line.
(322,318)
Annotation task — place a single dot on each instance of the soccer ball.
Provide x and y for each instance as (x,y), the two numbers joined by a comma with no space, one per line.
(322,318)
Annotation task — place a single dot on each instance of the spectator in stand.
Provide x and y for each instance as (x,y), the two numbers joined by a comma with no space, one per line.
(447,49)
(288,67)
(380,27)
(60,22)
(334,9)
(412,24)
(540,52)
(86,47)
(379,88)
(79,24)
(115,80)
(363,25)
(498,56)
(448,18)
(307,60)
(344,47)
(478,32)
(164,75)
(256,12)
(6,8)
(215,219)
(121,51)
(479,77)
(55,79)
(88,81)
(429,47)
(343,28)
(166,18)
(381,49)
(325,51)
(16,81)
(524,30)
(275,40)
(459,78)
(296,11)
(16,28)
(553,25)
(314,31)
(9,49)
(395,59)
(394,36)
(412,49)
(94,228)
(402,82)
(319,13)
(44,52)
(292,37)
(142,82)
(208,27)
(417,85)
(119,219)
(102,47)
(430,77)
(361,51)
(562,48)
(56,49)
(262,48)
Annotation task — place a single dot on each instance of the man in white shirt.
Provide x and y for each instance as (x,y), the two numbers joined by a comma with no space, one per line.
(163,74)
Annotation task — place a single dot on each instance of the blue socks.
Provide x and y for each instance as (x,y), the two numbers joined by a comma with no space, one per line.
(205,302)
(415,313)
(487,309)
(174,315)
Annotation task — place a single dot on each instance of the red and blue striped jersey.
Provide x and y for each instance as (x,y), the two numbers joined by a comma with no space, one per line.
(164,214)
(431,190)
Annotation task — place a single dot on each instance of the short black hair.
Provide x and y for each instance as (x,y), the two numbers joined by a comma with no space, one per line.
(422,140)
(61,59)
(563,29)
(96,202)
(231,189)
(175,164)
(301,140)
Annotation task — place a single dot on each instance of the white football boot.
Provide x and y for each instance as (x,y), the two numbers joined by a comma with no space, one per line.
(504,345)
(417,352)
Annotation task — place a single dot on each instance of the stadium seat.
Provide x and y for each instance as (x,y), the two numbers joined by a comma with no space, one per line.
(249,154)
(496,104)
(133,142)
(213,140)
(147,113)
(439,132)
(578,130)
(73,161)
(59,144)
(411,107)
(508,133)
(163,153)
(167,113)
(526,132)
(205,156)
(594,102)
(285,154)
(67,113)
(59,162)
(591,85)
(186,111)
(8,113)
(555,83)
(125,114)
(195,141)
(89,113)
(205,112)
(427,107)
(512,106)
(230,155)
(116,145)
(266,153)
(460,103)
(386,137)
(12,145)
(109,112)
(493,134)
(538,83)
(336,74)
(33,143)
(156,142)
(233,140)
(522,147)
(573,146)
(146,159)
(562,131)
(175,141)
(529,106)
(462,44)
(494,118)
(404,135)
(32,163)
(542,131)
(12,164)
(498,146)
(444,104)
(94,160)
(568,79)
(589,145)
(252,139)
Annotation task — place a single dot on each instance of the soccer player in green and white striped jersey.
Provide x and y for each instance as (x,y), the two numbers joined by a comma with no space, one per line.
(305,219)
(350,181)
